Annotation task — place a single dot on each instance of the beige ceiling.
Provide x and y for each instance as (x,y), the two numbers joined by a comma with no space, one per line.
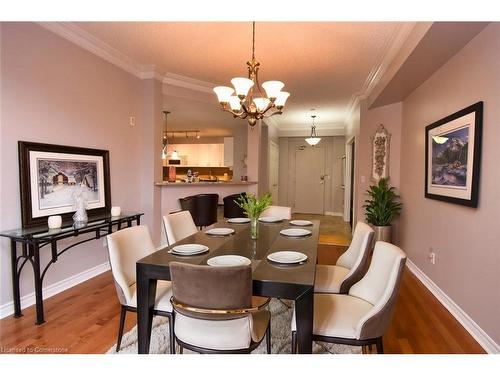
(323,64)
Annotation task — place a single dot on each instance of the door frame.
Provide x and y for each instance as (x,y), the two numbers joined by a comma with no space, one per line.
(277,146)
(350,181)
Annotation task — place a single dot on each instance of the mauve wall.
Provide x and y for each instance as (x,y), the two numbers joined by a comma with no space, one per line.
(466,240)
(53,91)
(390,117)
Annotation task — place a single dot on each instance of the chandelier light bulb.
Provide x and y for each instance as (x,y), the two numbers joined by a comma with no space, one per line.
(273,88)
(313,141)
(281,98)
(223,93)
(261,103)
(242,86)
(234,103)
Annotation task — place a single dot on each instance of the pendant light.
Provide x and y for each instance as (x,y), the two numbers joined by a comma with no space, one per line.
(313,140)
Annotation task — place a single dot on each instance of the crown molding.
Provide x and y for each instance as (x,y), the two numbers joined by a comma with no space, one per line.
(188,83)
(87,41)
(387,54)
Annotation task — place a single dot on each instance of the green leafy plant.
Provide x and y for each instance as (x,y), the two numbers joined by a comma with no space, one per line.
(252,206)
(383,207)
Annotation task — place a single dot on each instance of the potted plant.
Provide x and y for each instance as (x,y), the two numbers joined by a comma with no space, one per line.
(253,208)
(381,209)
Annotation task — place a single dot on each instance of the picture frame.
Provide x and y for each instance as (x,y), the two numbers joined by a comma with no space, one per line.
(453,157)
(51,174)
(381,146)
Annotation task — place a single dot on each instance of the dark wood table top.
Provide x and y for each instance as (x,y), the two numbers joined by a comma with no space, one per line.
(270,240)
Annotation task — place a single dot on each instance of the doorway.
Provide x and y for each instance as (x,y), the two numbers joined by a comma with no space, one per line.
(351,201)
(274,155)
(309,180)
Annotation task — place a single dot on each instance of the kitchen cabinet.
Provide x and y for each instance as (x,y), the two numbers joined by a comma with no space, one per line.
(199,155)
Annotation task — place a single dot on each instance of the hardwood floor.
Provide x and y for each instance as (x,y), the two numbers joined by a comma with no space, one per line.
(84,319)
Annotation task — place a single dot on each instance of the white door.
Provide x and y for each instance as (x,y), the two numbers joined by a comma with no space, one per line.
(274,154)
(309,180)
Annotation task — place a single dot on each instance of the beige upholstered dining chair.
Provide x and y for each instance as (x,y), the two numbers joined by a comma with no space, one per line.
(214,311)
(280,212)
(362,316)
(178,226)
(125,248)
(350,267)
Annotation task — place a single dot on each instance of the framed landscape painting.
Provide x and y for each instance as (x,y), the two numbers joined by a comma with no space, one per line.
(52,175)
(453,157)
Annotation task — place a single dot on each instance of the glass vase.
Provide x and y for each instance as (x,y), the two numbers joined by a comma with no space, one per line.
(254,228)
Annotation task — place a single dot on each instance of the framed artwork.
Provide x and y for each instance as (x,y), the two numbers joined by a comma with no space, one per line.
(453,157)
(380,154)
(51,175)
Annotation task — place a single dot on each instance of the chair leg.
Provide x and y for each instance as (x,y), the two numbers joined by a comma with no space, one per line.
(268,339)
(172,336)
(123,313)
(380,346)
(294,342)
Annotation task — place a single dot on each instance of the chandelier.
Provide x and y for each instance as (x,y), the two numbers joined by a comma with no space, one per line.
(313,140)
(249,101)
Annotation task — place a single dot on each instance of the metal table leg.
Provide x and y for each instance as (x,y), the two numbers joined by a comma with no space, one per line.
(15,279)
(38,283)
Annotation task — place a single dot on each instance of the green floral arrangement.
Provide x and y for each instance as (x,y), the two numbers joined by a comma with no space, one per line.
(252,206)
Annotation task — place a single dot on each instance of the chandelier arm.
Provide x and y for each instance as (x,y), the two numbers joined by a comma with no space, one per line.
(236,114)
(269,106)
(274,113)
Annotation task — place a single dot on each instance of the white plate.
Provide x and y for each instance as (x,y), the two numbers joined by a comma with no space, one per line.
(239,220)
(301,223)
(270,219)
(220,231)
(228,261)
(293,232)
(189,249)
(287,257)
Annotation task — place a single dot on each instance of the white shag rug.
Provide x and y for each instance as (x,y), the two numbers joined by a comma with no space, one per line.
(281,336)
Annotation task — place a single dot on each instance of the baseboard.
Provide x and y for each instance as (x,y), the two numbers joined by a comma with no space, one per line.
(331,213)
(58,287)
(488,344)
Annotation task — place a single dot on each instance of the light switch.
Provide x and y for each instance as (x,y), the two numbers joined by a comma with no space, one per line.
(132,120)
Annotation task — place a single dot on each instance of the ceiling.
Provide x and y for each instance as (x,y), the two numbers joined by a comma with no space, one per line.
(323,64)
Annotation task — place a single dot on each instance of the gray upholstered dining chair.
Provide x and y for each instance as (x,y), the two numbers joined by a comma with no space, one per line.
(361,317)
(350,267)
(214,311)
(178,225)
(125,248)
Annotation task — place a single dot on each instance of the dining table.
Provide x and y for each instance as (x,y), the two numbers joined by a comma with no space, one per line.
(274,280)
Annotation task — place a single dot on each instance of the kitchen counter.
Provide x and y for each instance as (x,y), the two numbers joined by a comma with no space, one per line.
(205,183)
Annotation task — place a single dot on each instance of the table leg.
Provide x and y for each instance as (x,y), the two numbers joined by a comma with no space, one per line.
(146,292)
(304,314)
(38,284)
(15,279)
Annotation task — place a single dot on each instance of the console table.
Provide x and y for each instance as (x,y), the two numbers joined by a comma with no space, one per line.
(34,239)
